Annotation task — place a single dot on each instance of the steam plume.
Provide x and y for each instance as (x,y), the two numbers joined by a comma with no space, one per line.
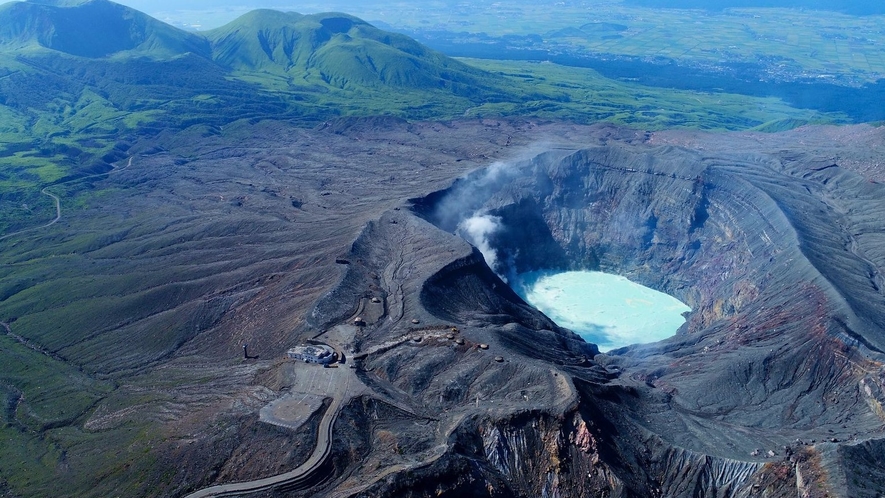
(477,230)
(467,196)
(462,209)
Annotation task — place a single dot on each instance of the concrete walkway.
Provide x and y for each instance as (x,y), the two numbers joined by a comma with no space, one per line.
(300,474)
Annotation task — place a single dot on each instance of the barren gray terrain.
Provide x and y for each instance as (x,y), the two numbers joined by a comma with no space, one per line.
(268,234)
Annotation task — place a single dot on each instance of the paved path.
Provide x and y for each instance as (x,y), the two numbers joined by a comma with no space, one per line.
(291,411)
(302,473)
(314,384)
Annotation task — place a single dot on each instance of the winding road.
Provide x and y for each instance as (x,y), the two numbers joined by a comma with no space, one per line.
(304,473)
(45,191)
(302,476)
(53,222)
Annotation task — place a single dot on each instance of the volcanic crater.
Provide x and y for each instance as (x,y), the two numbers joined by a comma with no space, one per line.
(773,386)
(776,374)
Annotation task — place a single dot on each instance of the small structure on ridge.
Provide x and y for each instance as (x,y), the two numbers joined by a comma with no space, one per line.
(312,353)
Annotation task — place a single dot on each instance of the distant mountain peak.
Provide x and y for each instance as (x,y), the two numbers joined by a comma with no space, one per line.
(329,50)
(69,26)
(335,49)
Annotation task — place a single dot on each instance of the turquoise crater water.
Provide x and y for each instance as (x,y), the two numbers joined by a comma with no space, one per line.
(607,310)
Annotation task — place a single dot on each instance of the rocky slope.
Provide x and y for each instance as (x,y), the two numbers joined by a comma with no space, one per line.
(773,387)
(777,371)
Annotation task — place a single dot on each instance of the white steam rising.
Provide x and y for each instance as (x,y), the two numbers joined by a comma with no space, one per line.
(462,210)
(477,230)
(466,198)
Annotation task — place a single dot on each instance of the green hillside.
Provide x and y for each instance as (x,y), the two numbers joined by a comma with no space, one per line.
(74,96)
(341,51)
(262,40)
(95,28)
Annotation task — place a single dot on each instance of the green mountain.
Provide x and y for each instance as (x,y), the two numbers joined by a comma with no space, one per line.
(94,28)
(262,40)
(338,50)
(81,79)
(334,50)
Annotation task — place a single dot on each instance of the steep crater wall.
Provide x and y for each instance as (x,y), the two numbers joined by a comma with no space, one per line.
(787,307)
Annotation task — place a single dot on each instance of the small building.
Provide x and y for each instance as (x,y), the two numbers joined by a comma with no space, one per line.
(312,353)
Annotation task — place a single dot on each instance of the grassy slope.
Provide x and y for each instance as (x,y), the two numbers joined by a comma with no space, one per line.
(331,59)
(584,95)
(346,66)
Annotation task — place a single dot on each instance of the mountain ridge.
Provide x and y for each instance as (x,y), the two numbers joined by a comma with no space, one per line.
(319,50)
(71,95)
(336,49)
(67,27)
